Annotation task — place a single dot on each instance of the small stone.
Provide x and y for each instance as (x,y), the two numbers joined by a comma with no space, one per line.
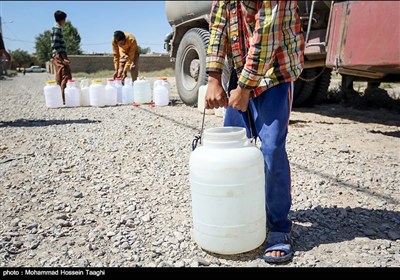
(125,245)
(78,195)
(146,218)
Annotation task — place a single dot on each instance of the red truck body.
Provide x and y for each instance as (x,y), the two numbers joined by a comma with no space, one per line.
(364,38)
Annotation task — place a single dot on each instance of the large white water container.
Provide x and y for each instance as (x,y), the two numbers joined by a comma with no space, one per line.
(97,93)
(127,92)
(85,95)
(227,188)
(72,94)
(142,91)
(53,95)
(160,93)
(111,93)
(201,100)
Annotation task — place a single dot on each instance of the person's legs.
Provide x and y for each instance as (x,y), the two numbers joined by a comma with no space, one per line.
(135,68)
(271,111)
(268,118)
(66,75)
(58,73)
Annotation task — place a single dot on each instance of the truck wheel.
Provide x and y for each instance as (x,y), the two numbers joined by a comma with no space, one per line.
(190,64)
(320,92)
(303,89)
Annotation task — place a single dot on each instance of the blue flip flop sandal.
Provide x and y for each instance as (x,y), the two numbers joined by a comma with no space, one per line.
(278,241)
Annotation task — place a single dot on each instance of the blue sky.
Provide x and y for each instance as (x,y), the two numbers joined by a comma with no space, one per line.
(96,22)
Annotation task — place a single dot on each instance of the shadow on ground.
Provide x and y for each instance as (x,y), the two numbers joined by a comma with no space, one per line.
(335,225)
(332,225)
(38,123)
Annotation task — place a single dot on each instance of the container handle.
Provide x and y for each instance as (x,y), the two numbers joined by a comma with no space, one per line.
(197,139)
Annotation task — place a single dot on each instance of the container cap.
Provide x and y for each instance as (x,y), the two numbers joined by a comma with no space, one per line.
(96,81)
(71,81)
(51,82)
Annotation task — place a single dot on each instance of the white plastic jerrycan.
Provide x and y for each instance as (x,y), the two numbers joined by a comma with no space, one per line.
(160,93)
(227,184)
(85,95)
(52,94)
(201,101)
(142,91)
(118,85)
(97,93)
(127,92)
(72,94)
(111,93)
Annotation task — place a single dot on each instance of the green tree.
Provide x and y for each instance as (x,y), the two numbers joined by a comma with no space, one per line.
(20,57)
(43,46)
(71,37)
(144,50)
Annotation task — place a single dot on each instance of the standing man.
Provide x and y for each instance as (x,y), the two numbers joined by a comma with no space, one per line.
(265,46)
(126,55)
(59,52)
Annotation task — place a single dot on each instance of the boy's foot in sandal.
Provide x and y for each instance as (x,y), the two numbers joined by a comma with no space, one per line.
(278,248)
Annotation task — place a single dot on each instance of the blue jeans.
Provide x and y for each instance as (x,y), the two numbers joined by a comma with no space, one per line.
(268,117)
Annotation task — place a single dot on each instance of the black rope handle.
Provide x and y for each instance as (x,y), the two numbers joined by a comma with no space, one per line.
(197,139)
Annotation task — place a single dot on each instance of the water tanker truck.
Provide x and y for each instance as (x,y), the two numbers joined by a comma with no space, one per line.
(358,39)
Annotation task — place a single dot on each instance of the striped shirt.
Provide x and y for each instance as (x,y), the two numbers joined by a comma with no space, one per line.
(57,40)
(263,39)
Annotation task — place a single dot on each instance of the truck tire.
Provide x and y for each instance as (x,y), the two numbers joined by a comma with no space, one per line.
(190,64)
(303,89)
(320,92)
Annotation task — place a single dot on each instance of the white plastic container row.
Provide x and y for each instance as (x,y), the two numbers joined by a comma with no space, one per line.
(98,95)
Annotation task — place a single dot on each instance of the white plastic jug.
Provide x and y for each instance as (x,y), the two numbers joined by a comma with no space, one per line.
(111,93)
(160,93)
(201,102)
(85,95)
(72,94)
(142,91)
(220,112)
(127,92)
(166,83)
(52,94)
(227,187)
(97,93)
(118,85)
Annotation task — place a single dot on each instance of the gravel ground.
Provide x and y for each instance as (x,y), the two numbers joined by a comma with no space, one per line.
(109,187)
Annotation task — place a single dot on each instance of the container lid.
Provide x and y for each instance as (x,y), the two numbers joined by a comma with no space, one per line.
(71,81)
(96,81)
(51,82)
